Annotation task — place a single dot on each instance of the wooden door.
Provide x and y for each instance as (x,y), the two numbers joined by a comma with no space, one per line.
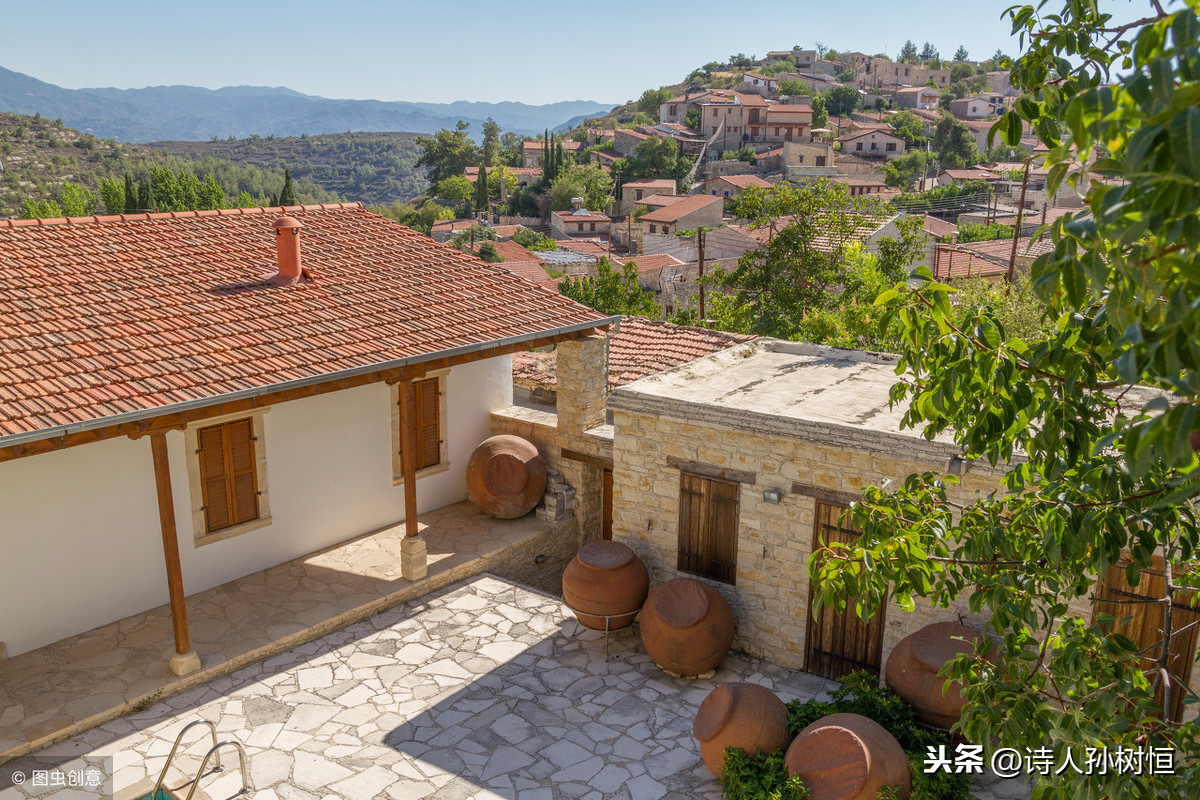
(840,643)
(1142,622)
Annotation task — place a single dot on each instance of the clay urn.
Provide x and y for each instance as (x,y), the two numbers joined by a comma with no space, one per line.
(912,670)
(742,715)
(848,757)
(506,477)
(687,627)
(605,578)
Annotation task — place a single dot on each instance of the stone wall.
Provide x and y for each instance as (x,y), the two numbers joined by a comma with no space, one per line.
(771,597)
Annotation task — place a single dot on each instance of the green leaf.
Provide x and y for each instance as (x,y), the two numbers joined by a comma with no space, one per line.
(1185,140)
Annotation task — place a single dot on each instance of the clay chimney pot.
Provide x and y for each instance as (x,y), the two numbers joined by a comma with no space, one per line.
(287,247)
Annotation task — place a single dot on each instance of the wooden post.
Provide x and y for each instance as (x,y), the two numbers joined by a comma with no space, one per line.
(407,443)
(1012,259)
(184,660)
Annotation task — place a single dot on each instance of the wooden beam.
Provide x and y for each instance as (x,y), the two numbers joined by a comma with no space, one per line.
(588,458)
(166,521)
(837,496)
(407,443)
(711,470)
(180,420)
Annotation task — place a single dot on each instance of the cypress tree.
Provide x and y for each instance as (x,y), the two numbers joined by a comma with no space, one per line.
(131,196)
(287,197)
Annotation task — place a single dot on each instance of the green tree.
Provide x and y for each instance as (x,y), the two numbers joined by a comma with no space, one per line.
(929,53)
(611,292)
(112,192)
(131,195)
(845,76)
(487,252)
(448,153)
(501,175)
(287,195)
(955,143)
(692,118)
(908,52)
(1094,421)
(960,54)
(909,127)
(40,209)
(491,142)
(841,100)
(650,101)
(820,117)
(588,181)
(903,171)
(532,240)
(76,201)
(653,158)
(793,86)
(456,189)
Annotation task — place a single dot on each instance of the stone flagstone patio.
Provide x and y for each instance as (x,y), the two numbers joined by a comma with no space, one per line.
(71,685)
(481,690)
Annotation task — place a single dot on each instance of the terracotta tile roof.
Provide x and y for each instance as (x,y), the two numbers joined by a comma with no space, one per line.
(849,180)
(107,315)
(675,211)
(582,215)
(649,263)
(569,145)
(641,347)
(955,263)
(750,99)
(745,181)
(661,200)
(651,183)
(1000,250)
(970,174)
(452,225)
(867,132)
(590,247)
(939,227)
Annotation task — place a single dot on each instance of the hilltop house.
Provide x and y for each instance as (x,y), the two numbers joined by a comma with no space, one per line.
(188,398)
(872,143)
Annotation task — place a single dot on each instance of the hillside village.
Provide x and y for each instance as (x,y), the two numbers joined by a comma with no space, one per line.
(822,426)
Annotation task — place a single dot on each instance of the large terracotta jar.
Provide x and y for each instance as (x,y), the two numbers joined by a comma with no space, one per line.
(912,670)
(606,579)
(506,477)
(687,627)
(848,757)
(742,715)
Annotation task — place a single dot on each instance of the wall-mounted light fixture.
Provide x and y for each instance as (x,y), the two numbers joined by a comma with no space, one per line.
(772,496)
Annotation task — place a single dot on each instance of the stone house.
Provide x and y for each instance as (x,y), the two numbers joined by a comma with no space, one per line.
(733,185)
(579,222)
(635,191)
(883,73)
(732,467)
(192,397)
(533,149)
(973,107)
(689,213)
(872,143)
(923,97)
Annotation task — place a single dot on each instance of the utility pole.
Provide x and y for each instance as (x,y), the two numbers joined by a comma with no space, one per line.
(700,276)
(1012,259)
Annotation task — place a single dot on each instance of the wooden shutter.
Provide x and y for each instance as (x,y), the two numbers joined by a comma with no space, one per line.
(426,421)
(840,643)
(229,479)
(708,523)
(1139,616)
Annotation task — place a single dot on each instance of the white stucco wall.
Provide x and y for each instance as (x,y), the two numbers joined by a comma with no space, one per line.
(79,527)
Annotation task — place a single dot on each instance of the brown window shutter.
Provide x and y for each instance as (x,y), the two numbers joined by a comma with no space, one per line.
(708,523)
(429,439)
(215,491)
(242,474)
(229,476)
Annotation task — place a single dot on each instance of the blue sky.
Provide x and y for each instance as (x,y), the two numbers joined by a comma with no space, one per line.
(530,51)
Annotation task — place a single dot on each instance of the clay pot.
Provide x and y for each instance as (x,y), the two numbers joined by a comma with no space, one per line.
(605,578)
(848,757)
(506,477)
(913,665)
(687,627)
(742,715)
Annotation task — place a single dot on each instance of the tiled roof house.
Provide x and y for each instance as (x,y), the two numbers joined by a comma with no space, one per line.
(223,390)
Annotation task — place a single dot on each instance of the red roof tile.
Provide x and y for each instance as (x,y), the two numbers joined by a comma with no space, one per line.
(649,263)
(641,347)
(675,211)
(115,314)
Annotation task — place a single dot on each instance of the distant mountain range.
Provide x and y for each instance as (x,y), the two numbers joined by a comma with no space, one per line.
(191,113)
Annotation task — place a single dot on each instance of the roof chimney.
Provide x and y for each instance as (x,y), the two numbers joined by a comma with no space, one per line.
(287,250)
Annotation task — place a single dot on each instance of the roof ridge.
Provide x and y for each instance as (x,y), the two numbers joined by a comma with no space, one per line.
(217,212)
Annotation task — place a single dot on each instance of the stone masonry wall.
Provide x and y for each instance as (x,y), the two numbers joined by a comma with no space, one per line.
(771,597)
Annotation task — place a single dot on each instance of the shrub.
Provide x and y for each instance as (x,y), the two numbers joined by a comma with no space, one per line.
(762,776)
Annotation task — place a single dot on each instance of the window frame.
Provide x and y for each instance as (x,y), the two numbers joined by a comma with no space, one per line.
(201,535)
(443,438)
